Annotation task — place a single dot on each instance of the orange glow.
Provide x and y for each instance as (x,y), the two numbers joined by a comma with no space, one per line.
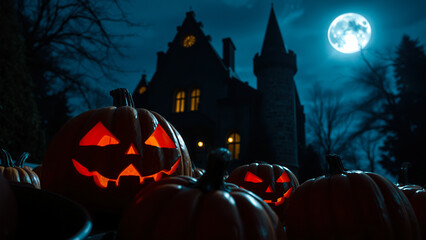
(142,89)
(200,144)
(283,178)
(269,189)
(189,41)
(195,99)
(130,170)
(230,140)
(250,177)
(132,150)
(159,138)
(180,102)
(280,200)
(98,136)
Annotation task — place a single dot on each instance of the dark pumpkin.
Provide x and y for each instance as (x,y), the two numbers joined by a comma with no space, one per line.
(102,157)
(8,211)
(416,195)
(350,205)
(15,171)
(183,208)
(271,182)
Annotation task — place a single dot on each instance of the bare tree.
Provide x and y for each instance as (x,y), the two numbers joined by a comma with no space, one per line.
(368,144)
(69,44)
(330,120)
(379,102)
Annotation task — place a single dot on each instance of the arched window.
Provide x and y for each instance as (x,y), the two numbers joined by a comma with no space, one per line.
(195,99)
(180,101)
(233,144)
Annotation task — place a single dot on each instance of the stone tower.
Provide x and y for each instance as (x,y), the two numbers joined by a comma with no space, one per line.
(274,69)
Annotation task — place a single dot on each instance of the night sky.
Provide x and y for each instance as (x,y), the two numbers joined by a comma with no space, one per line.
(303,23)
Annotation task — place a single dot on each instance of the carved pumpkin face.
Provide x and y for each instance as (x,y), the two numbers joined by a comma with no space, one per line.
(102,157)
(100,137)
(271,182)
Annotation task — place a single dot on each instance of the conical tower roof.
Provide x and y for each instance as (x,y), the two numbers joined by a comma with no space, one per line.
(273,43)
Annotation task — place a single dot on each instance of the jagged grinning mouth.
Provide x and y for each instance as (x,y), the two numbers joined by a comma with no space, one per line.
(280,200)
(130,170)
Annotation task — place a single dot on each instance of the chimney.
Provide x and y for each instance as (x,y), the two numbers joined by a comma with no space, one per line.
(229,53)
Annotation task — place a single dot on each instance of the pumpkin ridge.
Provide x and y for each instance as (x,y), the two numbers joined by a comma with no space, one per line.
(341,192)
(381,225)
(320,189)
(199,204)
(401,203)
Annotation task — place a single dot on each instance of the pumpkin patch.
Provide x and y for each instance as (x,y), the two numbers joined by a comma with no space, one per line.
(184,208)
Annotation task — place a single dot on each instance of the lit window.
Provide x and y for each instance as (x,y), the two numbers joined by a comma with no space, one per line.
(142,89)
(195,99)
(233,144)
(180,101)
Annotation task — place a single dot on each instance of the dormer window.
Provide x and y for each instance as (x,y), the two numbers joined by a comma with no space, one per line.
(195,99)
(180,101)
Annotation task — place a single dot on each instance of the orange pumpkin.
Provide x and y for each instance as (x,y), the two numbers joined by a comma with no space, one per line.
(271,182)
(15,171)
(102,157)
(184,208)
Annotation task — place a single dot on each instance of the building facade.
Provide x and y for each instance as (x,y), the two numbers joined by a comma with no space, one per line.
(198,91)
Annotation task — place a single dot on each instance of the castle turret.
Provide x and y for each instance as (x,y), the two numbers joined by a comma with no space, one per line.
(274,69)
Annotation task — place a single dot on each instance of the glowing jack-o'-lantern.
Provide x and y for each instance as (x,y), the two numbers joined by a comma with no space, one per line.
(272,182)
(183,208)
(102,157)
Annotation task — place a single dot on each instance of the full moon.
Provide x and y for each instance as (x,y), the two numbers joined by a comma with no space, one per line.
(349,33)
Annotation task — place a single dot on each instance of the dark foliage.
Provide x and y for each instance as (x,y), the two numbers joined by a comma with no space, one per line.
(19,119)
(407,127)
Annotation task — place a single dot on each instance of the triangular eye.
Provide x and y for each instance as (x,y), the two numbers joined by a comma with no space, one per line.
(159,138)
(98,136)
(250,177)
(132,150)
(283,178)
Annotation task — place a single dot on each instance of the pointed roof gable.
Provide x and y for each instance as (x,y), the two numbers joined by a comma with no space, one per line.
(189,26)
(273,42)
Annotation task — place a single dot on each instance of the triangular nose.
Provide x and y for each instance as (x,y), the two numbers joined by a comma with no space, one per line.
(132,150)
(269,189)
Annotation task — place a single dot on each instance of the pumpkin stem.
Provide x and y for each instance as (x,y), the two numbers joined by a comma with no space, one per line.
(20,161)
(335,165)
(403,174)
(217,164)
(6,159)
(121,97)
